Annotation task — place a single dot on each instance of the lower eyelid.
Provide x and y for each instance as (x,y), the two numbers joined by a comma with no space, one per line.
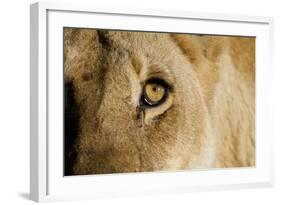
(152,112)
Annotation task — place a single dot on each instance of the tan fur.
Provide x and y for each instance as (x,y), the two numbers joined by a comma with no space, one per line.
(207,121)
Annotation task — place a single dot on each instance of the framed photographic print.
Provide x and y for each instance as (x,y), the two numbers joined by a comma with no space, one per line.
(127,102)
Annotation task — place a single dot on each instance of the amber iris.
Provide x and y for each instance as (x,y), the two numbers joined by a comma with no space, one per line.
(154,92)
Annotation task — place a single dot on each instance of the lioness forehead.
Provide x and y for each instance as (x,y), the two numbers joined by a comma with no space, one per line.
(127,37)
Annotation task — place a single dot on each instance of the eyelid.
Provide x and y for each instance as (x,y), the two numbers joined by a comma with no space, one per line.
(162,77)
(155,72)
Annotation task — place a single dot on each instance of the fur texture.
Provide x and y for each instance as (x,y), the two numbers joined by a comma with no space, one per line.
(207,121)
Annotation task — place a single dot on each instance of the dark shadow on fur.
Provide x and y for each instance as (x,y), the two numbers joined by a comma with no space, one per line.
(71,117)
(103,38)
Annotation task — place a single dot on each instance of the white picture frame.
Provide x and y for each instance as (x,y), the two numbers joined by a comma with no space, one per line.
(47,182)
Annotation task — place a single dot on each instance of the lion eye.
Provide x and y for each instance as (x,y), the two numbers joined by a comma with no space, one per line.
(154,92)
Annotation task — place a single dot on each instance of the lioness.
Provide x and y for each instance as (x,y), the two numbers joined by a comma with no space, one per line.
(142,101)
